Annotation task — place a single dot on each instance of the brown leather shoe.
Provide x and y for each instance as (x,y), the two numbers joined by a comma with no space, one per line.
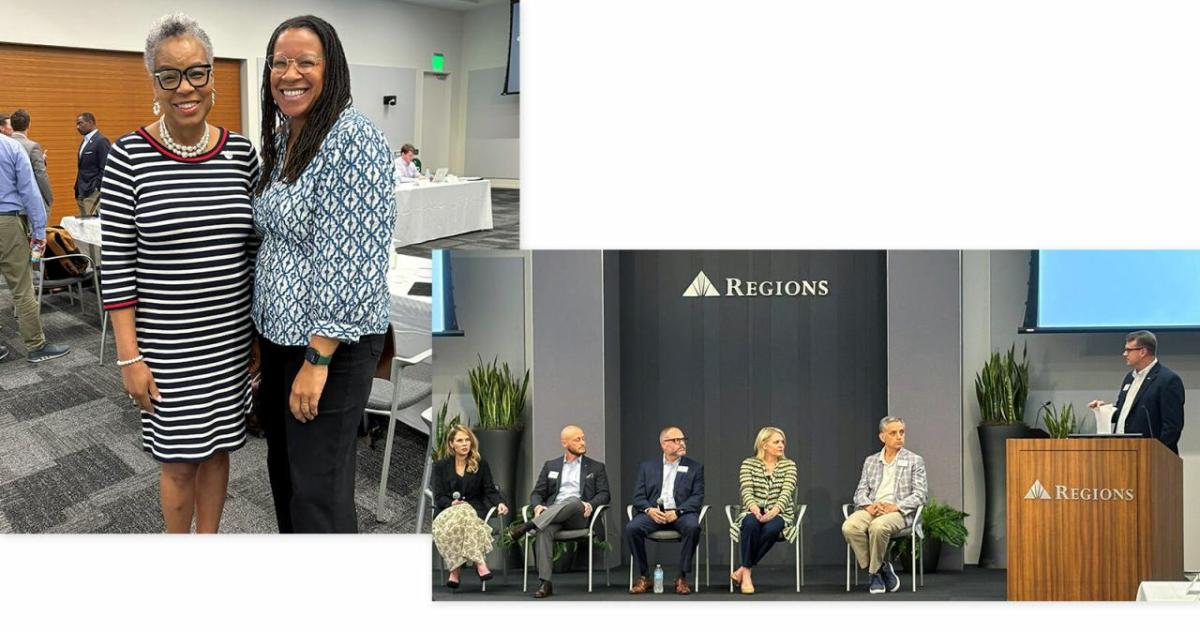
(641,585)
(681,586)
(543,591)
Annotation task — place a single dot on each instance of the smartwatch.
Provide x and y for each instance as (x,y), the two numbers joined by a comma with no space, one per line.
(312,356)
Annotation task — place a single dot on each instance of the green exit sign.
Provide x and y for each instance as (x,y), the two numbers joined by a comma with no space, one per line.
(438,62)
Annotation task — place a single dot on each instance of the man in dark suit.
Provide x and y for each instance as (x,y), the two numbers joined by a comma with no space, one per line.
(669,495)
(1151,399)
(93,153)
(567,492)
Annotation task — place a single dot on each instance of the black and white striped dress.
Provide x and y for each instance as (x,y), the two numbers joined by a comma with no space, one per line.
(178,246)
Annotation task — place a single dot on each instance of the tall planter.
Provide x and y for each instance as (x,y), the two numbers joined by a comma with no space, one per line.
(993,552)
(499,448)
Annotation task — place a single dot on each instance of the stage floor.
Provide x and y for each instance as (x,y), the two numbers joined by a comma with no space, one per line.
(772,583)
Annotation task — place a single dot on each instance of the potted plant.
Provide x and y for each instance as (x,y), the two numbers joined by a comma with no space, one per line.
(942,524)
(500,399)
(441,428)
(1001,388)
(1060,423)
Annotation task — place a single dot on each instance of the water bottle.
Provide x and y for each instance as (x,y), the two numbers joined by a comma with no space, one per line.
(658,579)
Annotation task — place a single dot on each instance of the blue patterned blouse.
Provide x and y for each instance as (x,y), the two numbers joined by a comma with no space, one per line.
(322,267)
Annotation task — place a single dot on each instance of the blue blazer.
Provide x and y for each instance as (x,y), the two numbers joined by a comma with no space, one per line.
(1157,411)
(90,165)
(689,486)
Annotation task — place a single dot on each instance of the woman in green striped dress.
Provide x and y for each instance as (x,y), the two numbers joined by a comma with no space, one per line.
(768,484)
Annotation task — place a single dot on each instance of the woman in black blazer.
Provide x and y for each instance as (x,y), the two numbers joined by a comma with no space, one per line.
(463,491)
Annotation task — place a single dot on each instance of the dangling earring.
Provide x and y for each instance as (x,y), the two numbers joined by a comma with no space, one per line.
(156,109)
(214,96)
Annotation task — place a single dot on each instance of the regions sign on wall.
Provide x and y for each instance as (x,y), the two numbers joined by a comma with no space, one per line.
(1037,491)
(734,286)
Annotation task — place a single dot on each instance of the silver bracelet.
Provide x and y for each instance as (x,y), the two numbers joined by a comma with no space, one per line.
(133,360)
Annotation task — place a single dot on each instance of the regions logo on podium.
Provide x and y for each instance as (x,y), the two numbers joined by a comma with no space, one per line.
(1037,492)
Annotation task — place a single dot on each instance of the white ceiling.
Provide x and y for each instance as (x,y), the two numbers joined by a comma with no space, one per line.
(455,5)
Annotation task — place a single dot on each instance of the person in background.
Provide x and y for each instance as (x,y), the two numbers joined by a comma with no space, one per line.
(22,211)
(463,492)
(406,168)
(37,156)
(768,485)
(1150,402)
(325,209)
(93,155)
(5,124)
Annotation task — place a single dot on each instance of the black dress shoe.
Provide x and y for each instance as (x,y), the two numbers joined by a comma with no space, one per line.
(543,591)
(450,583)
(518,531)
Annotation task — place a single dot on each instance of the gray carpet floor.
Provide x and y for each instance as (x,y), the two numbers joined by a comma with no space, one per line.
(71,459)
(506,234)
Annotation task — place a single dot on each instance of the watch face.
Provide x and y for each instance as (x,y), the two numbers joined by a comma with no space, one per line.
(314,357)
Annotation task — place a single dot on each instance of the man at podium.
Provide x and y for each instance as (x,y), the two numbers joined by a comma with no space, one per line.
(1150,402)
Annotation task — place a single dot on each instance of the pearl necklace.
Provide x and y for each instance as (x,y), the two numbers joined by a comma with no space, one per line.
(187,151)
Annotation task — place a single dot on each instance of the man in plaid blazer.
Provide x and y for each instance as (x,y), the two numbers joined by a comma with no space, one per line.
(890,490)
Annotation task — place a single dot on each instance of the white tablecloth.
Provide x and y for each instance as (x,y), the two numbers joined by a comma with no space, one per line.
(411,316)
(432,211)
(1166,591)
(86,233)
(83,230)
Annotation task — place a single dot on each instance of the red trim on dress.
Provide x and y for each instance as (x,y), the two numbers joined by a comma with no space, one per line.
(122,304)
(155,144)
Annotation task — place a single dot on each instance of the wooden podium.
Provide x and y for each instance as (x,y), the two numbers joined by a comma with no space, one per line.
(1090,519)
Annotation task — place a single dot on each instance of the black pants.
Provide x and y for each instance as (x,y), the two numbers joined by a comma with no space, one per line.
(312,465)
(688,526)
(758,538)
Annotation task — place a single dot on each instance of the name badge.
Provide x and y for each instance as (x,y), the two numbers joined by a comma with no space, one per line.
(1127,386)
(553,474)
(682,468)
(590,475)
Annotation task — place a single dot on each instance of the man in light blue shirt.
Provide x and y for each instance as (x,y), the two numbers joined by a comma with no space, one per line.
(20,198)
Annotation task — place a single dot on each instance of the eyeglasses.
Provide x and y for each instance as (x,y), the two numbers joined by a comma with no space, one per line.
(1128,349)
(171,78)
(305,63)
(676,440)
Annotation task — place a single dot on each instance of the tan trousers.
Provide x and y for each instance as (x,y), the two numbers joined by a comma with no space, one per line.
(18,274)
(87,205)
(869,535)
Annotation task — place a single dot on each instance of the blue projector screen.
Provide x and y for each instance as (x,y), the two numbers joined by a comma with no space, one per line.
(1115,289)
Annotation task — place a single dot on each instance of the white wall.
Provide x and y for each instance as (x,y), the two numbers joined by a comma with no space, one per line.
(373,32)
(1064,368)
(485,44)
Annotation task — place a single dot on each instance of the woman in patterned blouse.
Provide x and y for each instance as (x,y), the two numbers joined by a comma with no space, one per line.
(325,209)
(768,483)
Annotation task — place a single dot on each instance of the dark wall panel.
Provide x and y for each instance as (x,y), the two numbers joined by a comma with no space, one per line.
(722,367)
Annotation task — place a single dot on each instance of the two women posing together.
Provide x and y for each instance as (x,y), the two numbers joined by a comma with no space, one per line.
(215,266)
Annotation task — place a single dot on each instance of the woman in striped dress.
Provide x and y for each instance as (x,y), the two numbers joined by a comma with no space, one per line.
(178,241)
(768,484)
